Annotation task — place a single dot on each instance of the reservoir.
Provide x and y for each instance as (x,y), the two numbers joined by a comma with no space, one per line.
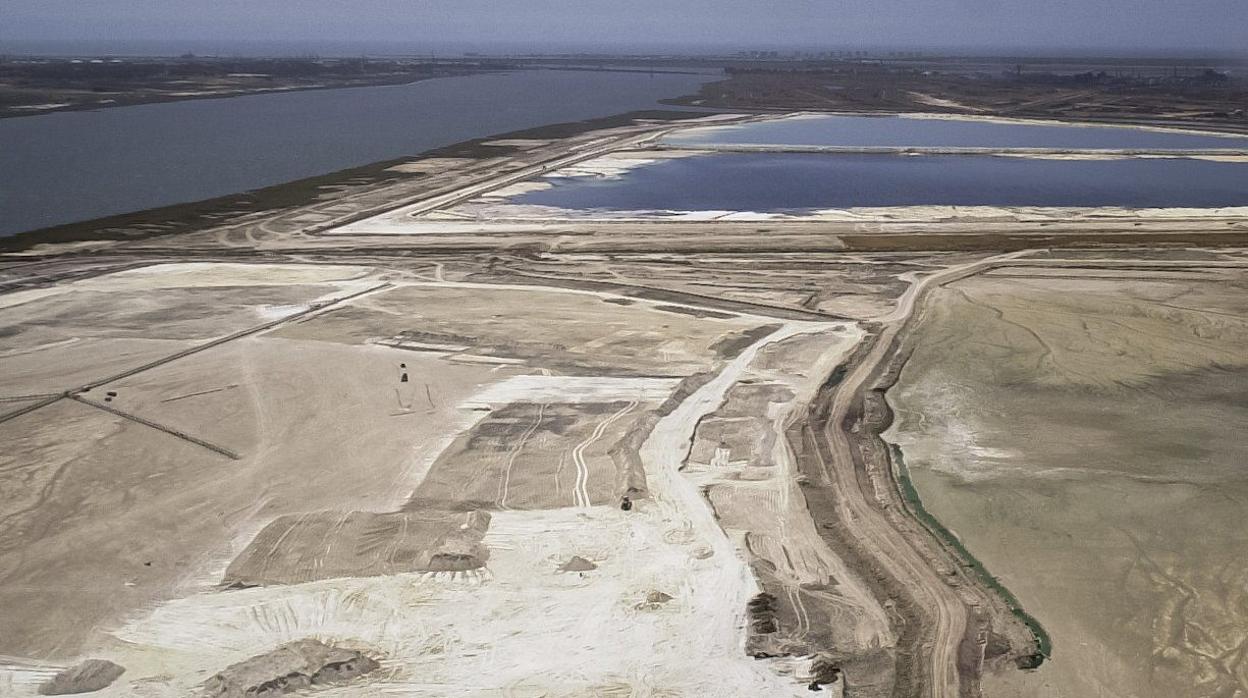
(73,166)
(905,131)
(802,182)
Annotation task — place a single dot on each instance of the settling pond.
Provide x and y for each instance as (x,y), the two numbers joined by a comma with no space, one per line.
(803,182)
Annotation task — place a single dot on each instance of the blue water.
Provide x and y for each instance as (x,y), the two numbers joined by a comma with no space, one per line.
(801,182)
(895,131)
(72,166)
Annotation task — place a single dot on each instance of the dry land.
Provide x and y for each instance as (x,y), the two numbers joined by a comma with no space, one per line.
(370,427)
(384,441)
(1077,434)
(1183,92)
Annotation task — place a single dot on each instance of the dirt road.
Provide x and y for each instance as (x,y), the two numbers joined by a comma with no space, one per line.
(939,675)
(722,608)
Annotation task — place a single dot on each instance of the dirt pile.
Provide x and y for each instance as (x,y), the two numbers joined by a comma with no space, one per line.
(654,601)
(324,545)
(577,564)
(288,668)
(824,673)
(84,677)
(763,610)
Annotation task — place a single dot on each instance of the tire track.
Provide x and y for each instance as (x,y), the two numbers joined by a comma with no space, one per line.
(938,674)
(581,489)
(505,485)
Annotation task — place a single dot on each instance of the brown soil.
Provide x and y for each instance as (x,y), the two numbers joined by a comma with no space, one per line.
(525,456)
(305,547)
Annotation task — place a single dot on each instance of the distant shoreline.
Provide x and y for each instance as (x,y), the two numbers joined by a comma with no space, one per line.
(141,98)
(195,215)
(447,69)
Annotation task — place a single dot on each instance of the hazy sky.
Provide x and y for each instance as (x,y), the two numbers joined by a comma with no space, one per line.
(1190,25)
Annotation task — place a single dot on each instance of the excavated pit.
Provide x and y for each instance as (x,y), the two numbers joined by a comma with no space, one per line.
(291,667)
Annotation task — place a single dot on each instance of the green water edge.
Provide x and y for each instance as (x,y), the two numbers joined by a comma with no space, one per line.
(1044,643)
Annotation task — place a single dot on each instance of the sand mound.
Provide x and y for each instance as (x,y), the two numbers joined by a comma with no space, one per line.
(288,668)
(654,601)
(577,564)
(85,677)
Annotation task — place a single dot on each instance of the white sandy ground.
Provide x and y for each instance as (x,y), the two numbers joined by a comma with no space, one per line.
(346,278)
(522,629)
(785,535)
(507,192)
(573,389)
(431,165)
(615,165)
(968,457)
(209,274)
(1233,158)
(485,218)
(519,628)
(432,227)
(524,143)
(40,107)
(934,101)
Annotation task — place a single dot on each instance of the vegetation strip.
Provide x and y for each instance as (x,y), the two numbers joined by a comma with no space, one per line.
(914,504)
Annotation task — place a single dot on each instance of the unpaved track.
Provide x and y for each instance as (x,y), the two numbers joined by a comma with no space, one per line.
(719,302)
(723,608)
(504,484)
(936,150)
(158,426)
(581,489)
(310,310)
(940,677)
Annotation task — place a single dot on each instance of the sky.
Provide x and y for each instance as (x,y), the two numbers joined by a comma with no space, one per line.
(1140,26)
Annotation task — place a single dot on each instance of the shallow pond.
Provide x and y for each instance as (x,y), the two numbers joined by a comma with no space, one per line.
(797,182)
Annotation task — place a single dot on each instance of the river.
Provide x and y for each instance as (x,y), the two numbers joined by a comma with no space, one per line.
(73,166)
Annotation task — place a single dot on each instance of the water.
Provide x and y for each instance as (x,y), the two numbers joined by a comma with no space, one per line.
(73,166)
(794,182)
(896,131)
